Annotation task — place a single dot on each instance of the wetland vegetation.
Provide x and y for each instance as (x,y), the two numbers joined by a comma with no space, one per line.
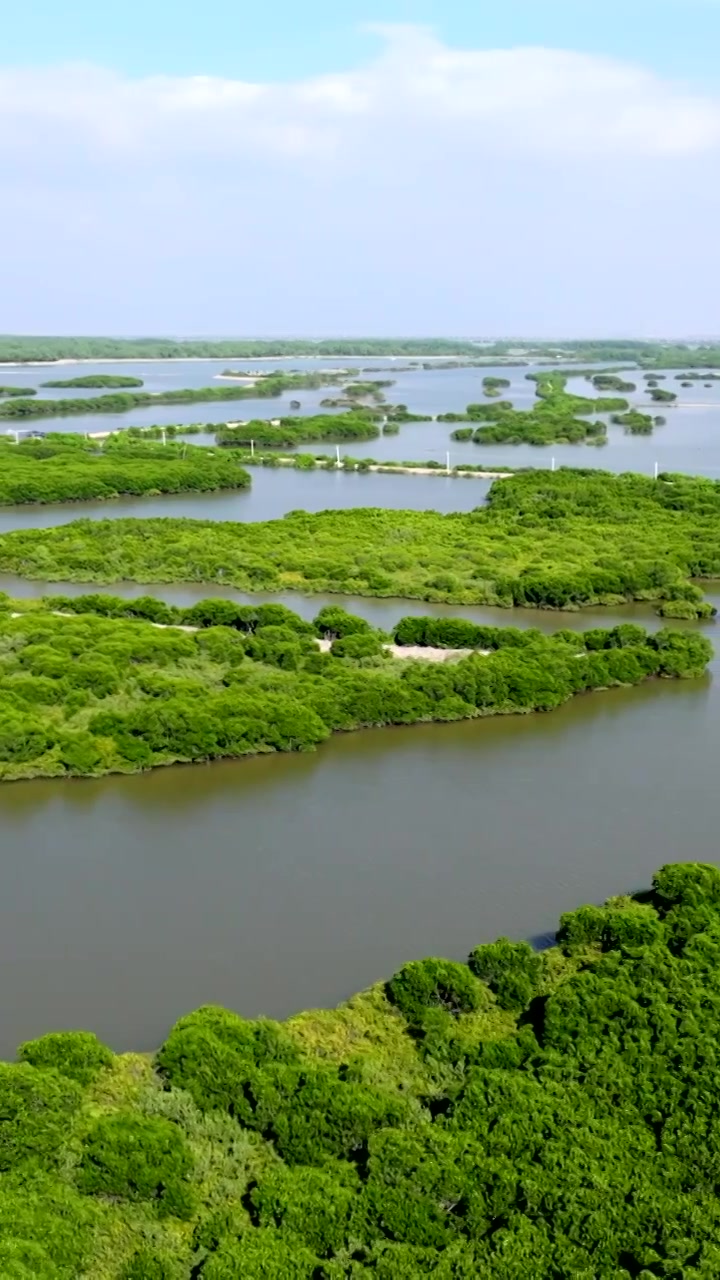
(95,686)
(98,380)
(73,469)
(563,539)
(515,1116)
(557,417)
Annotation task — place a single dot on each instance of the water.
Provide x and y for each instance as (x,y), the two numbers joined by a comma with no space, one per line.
(274,492)
(689,442)
(279,883)
(285,882)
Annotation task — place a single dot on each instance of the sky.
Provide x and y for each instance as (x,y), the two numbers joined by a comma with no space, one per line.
(374,167)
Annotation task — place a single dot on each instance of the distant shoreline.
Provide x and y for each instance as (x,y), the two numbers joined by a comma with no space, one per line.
(51,364)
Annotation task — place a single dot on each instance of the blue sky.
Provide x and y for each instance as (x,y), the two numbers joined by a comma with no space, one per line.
(427,167)
(287,38)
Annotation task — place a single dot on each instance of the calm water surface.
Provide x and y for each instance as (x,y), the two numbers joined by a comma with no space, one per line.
(274,492)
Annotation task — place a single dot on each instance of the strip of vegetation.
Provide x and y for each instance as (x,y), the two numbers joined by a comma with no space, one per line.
(92,695)
(46,471)
(519,1116)
(326,461)
(95,380)
(558,540)
(266,387)
(661,396)
(293,431)
(648,355)
(15,348)
(17,391)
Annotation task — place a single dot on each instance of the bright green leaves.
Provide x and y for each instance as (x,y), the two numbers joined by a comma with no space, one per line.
(36,1108)
(79,1055)
(424,985)
(139,1158)
(510,969)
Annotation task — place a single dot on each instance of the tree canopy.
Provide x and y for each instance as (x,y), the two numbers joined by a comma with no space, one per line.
(568,538)
(522,1116)
(98,684)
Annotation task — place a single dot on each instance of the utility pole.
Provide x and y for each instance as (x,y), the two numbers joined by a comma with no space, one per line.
(552,464)
(337,453)
(656,470)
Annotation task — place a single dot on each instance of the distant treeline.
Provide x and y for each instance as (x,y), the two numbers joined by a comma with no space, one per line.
(32,348)
(558,540)
(647,355)
(661,355)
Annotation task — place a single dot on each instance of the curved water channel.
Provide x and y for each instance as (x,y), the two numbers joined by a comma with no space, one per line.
(283,882)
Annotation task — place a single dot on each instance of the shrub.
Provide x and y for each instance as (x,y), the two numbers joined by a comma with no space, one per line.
(434,984)
(510,969)
(139,1158)
(79,1055)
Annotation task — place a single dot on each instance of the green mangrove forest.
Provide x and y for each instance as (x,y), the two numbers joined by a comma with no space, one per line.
(97,686)
(554,540)
(73,469)
(98,380)
(637,423)
(520,1115)
(557,417)
(17,391)
(355,425)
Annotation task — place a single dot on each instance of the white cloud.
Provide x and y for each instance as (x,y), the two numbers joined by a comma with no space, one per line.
(431,190)
(551,101)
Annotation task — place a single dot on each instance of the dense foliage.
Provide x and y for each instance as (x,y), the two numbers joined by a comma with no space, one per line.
(17,391)
(522,1116)
(635,422)
(291,431)
(556,418)
(107,685)
(560,539)
(492,386)
(35,348)
(63,471)
(98,380)
(611,382)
